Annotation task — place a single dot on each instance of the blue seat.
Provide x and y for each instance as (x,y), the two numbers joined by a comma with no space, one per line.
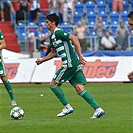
(114,18)
(91,16)
(22,37)
(33,26)
(110,4)
(104,16)
(113,30)
(124,15)
(66,27)
(77,17)
(131,41)
(92,32)
(101,5)
(125,5)
(90,6)
(20,27)
(79,7)
(42,17)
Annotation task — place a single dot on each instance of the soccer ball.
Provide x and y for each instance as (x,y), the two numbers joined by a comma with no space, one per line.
(17,113)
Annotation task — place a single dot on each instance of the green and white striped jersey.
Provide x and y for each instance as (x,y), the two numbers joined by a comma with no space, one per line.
(1,38)
(60,41)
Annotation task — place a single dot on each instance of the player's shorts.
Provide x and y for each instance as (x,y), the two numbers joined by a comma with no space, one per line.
(74,75)
(2,69)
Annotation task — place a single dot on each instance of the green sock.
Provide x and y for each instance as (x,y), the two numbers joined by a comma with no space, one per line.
(9,89)
(89,99)
(59,94)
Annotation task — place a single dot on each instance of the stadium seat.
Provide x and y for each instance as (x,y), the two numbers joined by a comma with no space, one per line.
(113,30)
(91,16)
(131,41)
(91,31)
(125,5)
(79,7)
(66,27)
(104,16)
(92,35)
(101,5)
(109,4)
(33,26)
(90,6)
(124,17)
(77,17)
(42,17)
(20,27)
(114,18)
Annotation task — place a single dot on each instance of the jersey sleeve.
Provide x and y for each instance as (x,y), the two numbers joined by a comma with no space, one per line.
(1,35)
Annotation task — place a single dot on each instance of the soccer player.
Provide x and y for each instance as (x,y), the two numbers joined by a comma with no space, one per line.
(71,70)
(130,22)
(3,72)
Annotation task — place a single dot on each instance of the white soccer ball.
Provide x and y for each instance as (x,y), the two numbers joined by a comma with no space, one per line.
(17,113)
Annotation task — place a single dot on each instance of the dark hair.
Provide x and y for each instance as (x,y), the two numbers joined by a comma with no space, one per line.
(130,15)
(53,17)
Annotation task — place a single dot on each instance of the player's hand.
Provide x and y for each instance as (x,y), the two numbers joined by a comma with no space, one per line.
(38,61)
(82,60)
(130,76)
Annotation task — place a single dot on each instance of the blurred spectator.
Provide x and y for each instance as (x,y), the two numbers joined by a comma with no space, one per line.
(80,32)
(56,6)
(35,10)
(44,45)
(122,33)
(31,40)
(108,42)
(100,29)
(23,9)
(117,5)
(41,38)
(53,6)
(68,9)
(9,3)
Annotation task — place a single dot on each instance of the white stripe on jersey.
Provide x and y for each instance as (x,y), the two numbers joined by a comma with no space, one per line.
(60,49)
(63,55)
(68,53)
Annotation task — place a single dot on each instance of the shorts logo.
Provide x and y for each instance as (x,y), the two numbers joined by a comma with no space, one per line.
(11,70)
(97,69)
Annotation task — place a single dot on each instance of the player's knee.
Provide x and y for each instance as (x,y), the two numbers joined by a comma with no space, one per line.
(79,88)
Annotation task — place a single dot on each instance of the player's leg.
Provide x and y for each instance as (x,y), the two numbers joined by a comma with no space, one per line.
(55,87)
(61,76)
(6,83)
(78,82)
(9,89)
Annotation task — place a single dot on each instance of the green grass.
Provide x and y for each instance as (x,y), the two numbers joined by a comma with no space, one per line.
(41,111)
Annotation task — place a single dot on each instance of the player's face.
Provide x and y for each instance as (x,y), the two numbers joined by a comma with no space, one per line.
(48,24)
(130,22)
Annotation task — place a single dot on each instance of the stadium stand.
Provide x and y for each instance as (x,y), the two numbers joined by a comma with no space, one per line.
(89,11)
(79,7)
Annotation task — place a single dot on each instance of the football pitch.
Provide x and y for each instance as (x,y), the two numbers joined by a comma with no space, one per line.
(41,107)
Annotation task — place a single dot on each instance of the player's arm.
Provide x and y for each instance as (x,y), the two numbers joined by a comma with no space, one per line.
(76,43)
(51,55)
(2,44)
